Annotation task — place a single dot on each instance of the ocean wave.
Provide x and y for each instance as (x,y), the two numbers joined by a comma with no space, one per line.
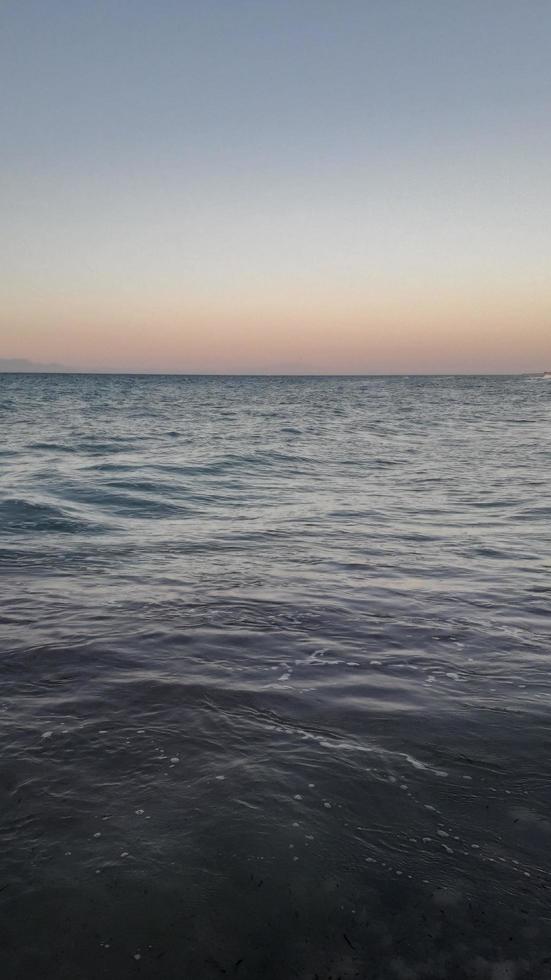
(20,515)
(285,642)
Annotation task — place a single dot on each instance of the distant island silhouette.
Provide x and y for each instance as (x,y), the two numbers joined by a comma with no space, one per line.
(15,365)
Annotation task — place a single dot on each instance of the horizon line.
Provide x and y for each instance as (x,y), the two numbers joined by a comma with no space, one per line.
(285,374)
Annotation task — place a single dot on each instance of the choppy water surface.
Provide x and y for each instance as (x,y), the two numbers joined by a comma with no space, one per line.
(275,678)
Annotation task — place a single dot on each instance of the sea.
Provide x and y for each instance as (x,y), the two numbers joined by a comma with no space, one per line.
(275,678)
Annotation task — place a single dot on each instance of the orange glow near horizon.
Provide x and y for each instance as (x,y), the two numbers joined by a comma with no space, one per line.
(405,333)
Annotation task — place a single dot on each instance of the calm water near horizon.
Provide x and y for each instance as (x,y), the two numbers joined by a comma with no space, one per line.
(275,678)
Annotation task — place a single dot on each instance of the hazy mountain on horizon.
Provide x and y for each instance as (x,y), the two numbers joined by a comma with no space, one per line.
(16,365)
(23,365)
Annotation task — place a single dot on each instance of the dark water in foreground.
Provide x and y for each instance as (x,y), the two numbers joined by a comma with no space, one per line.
(275,678)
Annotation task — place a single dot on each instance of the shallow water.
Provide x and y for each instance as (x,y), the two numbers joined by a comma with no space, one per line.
(275,694)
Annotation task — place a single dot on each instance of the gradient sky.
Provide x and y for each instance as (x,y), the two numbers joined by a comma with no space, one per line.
(277,185)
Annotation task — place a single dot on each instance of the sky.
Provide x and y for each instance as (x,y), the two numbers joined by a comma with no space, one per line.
(276,186)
